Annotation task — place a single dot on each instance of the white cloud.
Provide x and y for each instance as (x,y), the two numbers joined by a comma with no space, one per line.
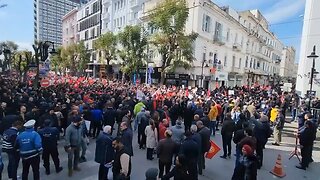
(284,10)
(25,46)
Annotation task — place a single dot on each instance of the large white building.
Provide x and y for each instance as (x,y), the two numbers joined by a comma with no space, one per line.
(288,67)
(248,51)
(69,28)
(238,44)
(310,38)
(48,19)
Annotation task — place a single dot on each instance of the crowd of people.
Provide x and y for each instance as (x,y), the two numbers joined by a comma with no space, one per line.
(173,124)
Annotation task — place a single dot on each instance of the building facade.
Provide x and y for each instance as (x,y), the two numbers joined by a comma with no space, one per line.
(48,19)
(310,38)
(238,48)
(287,64)
(69,28)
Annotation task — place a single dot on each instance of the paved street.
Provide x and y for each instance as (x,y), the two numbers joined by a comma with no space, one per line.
(217,168)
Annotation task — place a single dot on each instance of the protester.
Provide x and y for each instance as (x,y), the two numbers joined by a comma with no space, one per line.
(122,161)
(162,129)
(247,170)
(205,144)
(165,150)
(213,114)
(73,143)
(228,127)
(126,137)
(104,154)
(152,139)
(189,148)
(278,127)
(180,171)
(306,139)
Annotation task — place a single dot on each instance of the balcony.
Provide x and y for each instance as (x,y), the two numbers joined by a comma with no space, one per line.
(220,40)
(106,3)
(236,47)
(106,17)
(134,4)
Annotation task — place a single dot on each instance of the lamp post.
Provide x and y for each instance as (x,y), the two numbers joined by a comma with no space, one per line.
(41,54)
(312,56)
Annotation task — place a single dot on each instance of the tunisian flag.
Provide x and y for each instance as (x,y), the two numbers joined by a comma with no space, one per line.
(214,149)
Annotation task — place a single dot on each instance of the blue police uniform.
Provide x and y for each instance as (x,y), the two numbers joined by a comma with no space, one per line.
(9,139)
(30,146)
(50,136)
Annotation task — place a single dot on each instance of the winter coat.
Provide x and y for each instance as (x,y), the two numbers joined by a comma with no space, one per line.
(279,123)
(177,133)
(197,138)
(205,139)
(126,139)
(73,136)
(228,127)
(29,144)
(152,137)
(138,107)
(178,173)
(213,113)
(104,151)
(247,169)
(166,149)
(262,132)
(190,149)
(109,116)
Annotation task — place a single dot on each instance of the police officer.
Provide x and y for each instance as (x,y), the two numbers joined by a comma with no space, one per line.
(50,136)
(30,146)
(9,139)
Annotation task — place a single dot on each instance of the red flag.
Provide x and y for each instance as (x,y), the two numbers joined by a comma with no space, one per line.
(208,93)
(187,92)
(214,149)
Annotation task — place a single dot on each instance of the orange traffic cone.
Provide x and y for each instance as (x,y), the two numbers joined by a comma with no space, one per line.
(278,170)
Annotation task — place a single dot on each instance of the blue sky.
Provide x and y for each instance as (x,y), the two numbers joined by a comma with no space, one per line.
(284,16)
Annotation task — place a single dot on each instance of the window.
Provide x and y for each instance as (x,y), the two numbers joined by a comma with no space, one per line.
(251,63)
(206,23)
(120,21)
(86,35)
(225,61)
(233,61)
(228,34)
(240,62)
(87,11)
(236,38)
(254,63)
(258,64)
(218,31)
(121,4)
(135,15)
(247,59)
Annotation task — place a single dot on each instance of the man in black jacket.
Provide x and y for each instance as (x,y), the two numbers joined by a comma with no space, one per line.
(205,144)
(104,153)
(122,161)
(227,130)
(306,138)
(165,150)
(189,148)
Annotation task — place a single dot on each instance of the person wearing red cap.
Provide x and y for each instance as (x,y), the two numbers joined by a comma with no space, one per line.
(247,169)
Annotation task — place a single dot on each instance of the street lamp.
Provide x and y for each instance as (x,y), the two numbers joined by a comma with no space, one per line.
(312,56)
(41,54)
